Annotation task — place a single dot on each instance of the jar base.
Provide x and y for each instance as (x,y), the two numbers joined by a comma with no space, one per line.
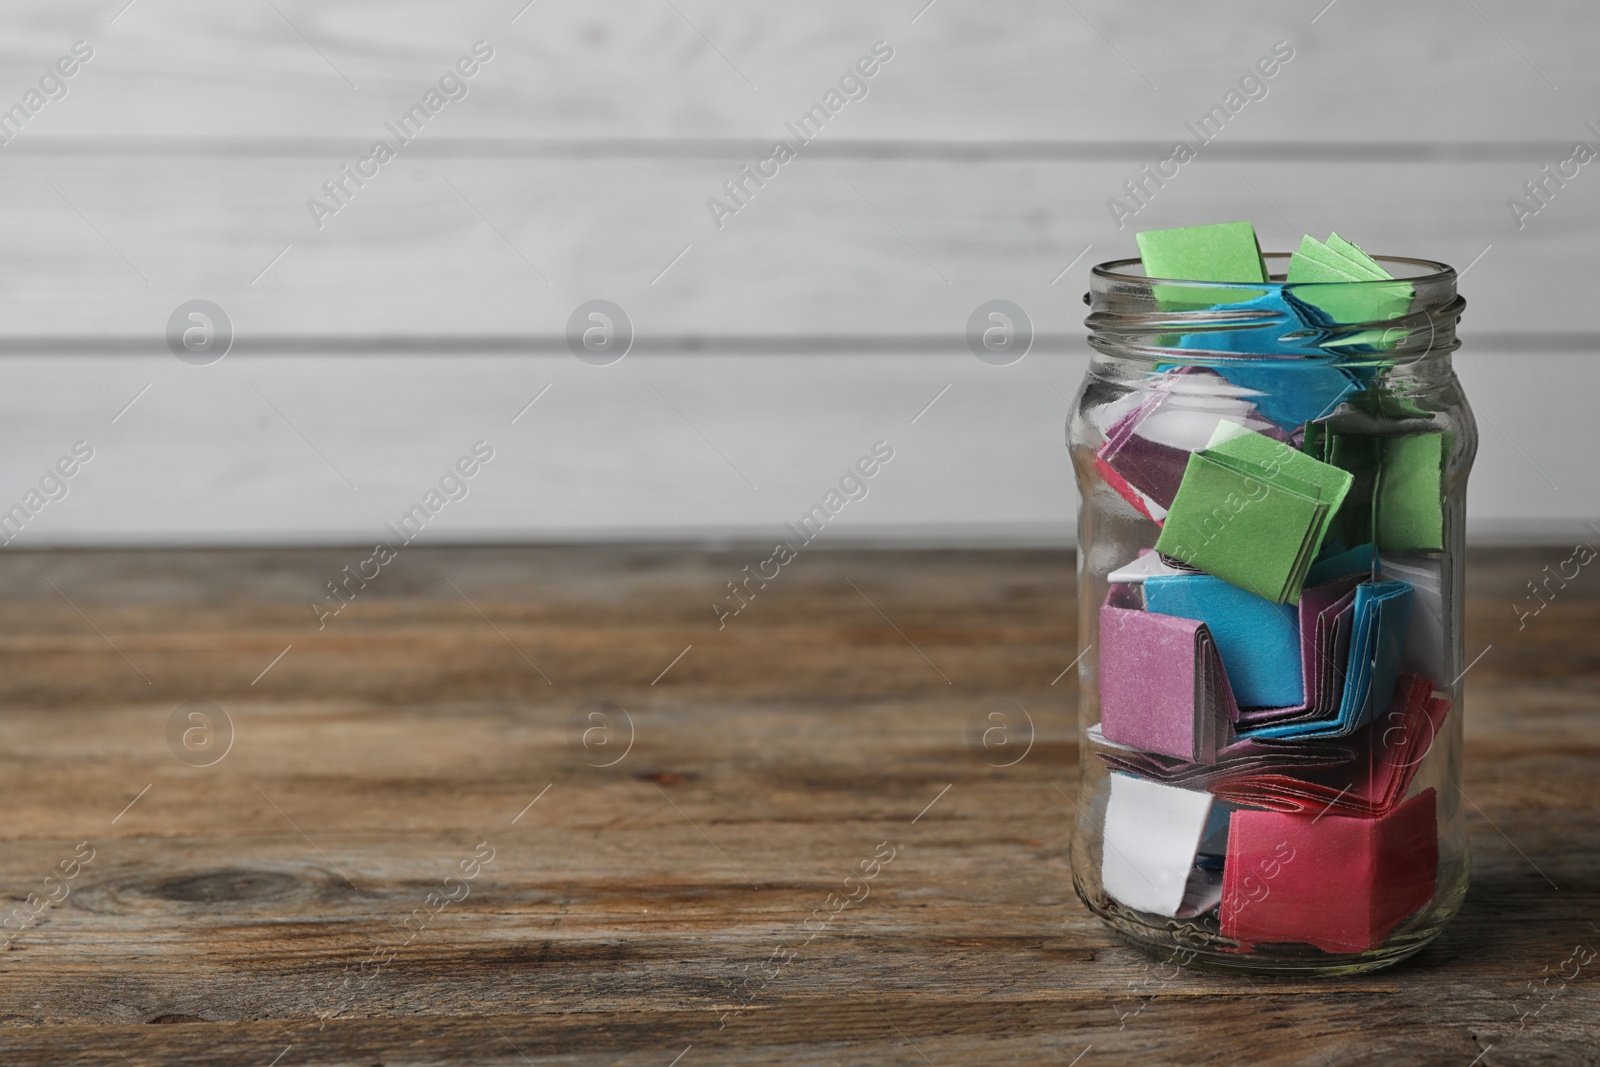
(1198,943)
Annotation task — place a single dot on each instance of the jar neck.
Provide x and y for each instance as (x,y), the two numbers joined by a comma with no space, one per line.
(1410,320)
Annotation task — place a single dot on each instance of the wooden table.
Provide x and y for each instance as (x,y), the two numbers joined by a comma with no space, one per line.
(239,912)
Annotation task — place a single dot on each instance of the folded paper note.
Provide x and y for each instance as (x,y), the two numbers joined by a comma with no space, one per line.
(1360,455)
(1221,252)
(1123,488)
(1291,392)
(1339,262)
(1381,611)
(1338,883)
(1315,261)
(1152,835)
(1162,685)
(1336,562)
(1398,494)
(1149,446)
(1239,759)
(1354,252)
(1389,751)
(1258,640)
(1148,564)
(1326,618)
(1253,512)
(1409,504)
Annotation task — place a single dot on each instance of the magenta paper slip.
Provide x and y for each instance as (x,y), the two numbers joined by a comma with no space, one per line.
(1162,686)
(1141,503)
(1335,882)
(1149,446)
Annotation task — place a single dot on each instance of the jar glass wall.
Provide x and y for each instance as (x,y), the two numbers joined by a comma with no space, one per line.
(1271,539)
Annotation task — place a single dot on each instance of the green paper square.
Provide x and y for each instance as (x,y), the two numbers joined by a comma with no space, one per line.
(1221,252)
(1279,479)
(1360,455)
(1253,511)
(1290,463)
(1304,268)
(1315,262)
(1334,266)
(1352,251)
(1329,254)
(1239,528)
(1410,493)
(1387,405)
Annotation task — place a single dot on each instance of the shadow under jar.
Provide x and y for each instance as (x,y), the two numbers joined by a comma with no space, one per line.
(1271,532)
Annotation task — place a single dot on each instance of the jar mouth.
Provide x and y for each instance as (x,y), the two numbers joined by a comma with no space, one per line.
(1416,271)
(1407,317)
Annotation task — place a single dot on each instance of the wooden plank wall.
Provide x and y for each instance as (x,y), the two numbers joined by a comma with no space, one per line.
(374,344)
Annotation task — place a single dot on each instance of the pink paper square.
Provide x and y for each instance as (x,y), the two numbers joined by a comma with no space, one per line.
(1162,686)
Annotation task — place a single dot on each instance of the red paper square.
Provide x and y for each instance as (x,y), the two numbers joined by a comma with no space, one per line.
(1337,882)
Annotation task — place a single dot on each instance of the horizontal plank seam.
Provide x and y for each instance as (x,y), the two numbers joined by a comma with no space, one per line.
(1532,341)
(745,148)
(735,537)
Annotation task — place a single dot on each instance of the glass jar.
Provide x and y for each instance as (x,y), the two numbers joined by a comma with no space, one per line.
(1271,540)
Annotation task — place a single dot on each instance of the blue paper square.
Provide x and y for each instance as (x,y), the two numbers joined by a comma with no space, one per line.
(1330,565)
(1382,611)
(1259,641)
(1298,385)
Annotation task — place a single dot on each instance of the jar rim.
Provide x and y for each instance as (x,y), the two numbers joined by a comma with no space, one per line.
(1427,272)
(1170,319)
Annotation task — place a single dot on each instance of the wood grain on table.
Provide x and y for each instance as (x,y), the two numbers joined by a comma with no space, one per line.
(305,899)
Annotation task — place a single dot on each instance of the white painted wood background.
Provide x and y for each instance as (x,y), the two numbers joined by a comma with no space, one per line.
(771,353)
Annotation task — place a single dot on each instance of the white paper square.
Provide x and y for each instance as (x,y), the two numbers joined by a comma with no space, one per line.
(1149,565)
(1425,636)
(1152,834)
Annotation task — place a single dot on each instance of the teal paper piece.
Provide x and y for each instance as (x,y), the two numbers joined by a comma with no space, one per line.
(1342,561)
(1382,612)
(1295,381)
